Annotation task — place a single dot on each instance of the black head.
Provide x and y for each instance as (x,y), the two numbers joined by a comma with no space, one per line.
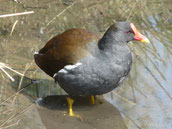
(120,33)
(130,32)
(125,32)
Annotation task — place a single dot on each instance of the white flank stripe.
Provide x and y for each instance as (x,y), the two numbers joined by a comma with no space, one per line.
(61,71)
(69,67)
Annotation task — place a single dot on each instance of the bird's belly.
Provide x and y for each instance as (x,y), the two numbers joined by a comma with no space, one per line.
(89,85)
(94,78)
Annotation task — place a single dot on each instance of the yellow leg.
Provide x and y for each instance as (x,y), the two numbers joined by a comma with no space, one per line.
(70,102)
(92,99)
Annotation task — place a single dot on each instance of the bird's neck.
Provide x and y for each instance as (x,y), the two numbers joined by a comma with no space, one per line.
(110,40)
(111,46)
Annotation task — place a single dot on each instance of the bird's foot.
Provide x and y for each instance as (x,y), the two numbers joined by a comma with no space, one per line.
(92,99)
(70,102)
(74,115)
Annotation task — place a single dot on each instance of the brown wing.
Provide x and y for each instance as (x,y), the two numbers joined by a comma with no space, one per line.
(64,49)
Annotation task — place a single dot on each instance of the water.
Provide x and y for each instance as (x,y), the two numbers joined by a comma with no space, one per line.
(149,83)
(150,77)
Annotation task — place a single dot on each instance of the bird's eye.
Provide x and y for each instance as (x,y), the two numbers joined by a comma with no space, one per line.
(128,31)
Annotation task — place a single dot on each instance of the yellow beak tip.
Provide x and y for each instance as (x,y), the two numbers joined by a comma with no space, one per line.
(145,40)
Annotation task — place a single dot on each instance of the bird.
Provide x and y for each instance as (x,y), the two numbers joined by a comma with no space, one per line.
(85,64)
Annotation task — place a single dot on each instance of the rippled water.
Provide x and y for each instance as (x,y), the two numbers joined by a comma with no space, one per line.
(145,98)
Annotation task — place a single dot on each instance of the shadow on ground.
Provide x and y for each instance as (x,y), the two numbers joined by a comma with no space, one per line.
(102,115)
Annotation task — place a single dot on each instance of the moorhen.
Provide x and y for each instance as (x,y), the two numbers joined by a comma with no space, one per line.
(85,65)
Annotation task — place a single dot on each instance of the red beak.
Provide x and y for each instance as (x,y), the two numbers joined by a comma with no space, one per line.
(138,36)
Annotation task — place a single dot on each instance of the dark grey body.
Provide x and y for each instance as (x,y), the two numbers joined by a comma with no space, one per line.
(99,73)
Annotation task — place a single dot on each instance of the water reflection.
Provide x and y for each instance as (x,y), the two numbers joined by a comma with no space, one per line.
(149,83)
